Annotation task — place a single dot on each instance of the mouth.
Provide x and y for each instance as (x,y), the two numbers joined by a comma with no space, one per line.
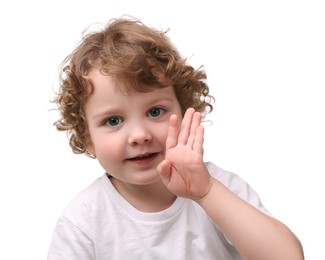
(144,157)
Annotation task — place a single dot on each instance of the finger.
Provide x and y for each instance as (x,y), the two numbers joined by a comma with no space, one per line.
(186,126)
(173,131)
(199,140)
(196,121)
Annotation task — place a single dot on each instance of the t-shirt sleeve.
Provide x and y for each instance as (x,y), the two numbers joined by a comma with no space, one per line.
(238,186)
(69,242)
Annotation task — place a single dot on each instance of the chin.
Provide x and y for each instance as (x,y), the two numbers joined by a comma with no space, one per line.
(147,179)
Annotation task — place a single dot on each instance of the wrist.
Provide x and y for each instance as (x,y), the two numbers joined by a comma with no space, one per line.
(200,200)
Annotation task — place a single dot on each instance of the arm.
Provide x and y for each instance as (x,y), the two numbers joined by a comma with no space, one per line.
(254,234)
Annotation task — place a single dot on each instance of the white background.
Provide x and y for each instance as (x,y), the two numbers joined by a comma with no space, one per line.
(265,62)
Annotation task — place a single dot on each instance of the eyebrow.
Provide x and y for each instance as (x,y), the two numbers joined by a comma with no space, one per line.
(107,110)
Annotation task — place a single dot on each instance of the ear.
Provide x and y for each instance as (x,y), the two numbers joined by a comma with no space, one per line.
(91,150)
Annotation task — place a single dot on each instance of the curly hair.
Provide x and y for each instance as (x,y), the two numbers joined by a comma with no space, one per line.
(136,54)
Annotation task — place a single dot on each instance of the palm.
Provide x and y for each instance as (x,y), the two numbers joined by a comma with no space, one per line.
(183,170)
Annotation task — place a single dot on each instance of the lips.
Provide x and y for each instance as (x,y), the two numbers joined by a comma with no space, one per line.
(143,157)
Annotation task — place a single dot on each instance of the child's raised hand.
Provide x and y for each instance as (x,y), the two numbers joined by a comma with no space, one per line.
(183,170)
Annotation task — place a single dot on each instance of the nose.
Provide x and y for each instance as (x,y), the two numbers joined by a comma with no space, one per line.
(139,133)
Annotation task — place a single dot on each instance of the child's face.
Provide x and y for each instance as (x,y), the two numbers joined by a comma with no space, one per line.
(128,132)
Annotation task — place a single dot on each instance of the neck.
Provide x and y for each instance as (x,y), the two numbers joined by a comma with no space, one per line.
(147,198)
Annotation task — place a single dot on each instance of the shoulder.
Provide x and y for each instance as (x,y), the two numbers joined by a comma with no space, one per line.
(73,235)
(87,203)
(229,179)
(237,185)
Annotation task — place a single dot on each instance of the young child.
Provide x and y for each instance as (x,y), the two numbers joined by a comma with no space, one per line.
(129,99)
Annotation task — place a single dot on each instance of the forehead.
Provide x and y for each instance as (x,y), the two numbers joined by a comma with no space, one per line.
(110,86)
(101,80)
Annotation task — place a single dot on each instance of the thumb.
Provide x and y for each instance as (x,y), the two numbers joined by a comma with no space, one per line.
(164,170)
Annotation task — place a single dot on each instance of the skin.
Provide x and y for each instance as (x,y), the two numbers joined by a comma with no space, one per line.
(155,155)
(123,128)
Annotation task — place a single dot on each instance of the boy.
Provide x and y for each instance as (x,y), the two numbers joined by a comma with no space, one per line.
(128,99)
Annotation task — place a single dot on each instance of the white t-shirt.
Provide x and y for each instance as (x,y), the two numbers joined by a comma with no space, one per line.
(100,224)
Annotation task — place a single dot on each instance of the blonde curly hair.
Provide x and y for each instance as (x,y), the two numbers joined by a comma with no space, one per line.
(136,54)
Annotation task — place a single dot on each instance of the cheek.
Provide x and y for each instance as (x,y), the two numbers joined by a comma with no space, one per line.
(109,153)
(105,145)
(108,148)
(160,133)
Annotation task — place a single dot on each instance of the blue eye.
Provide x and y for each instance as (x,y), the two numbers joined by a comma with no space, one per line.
(113,121)
(156,112)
